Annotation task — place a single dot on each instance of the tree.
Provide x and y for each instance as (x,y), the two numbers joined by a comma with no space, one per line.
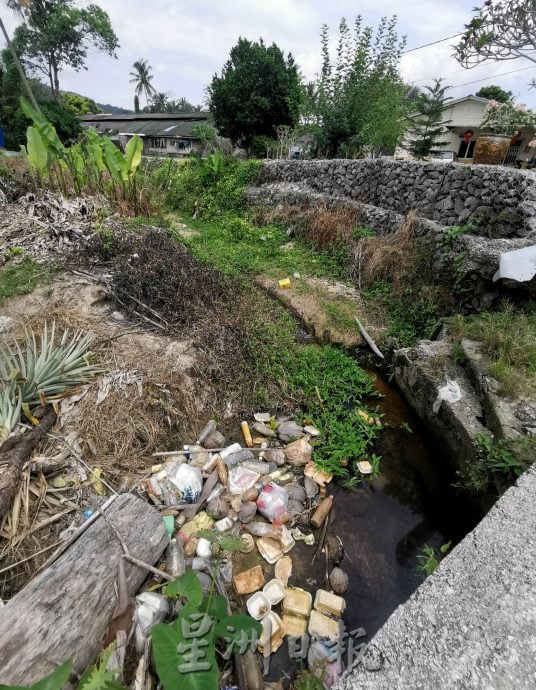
(361,98)
(164,103)
(56,34)
(426,128)
(16,61)
(258,91)
(499,30)
(79,105)
(141,75)
(494,93)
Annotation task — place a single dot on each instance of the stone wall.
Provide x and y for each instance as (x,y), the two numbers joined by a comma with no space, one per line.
(502,200)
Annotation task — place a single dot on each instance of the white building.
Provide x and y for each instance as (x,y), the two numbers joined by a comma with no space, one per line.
(464,116)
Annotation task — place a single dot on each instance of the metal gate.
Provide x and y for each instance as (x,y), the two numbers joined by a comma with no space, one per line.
(512,154)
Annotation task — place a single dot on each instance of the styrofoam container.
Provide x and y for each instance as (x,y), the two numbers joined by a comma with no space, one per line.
(258,605)
(297,602)
(270,549)
(294,626)
(272,634)
(287,540)
(321,626)
(274,591)
(327,602)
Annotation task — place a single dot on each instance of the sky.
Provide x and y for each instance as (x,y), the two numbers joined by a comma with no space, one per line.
(187,41)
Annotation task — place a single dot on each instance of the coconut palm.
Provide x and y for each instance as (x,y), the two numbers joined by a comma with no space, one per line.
(142,76)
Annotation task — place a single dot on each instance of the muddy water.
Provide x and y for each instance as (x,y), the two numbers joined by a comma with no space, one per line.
(385,523)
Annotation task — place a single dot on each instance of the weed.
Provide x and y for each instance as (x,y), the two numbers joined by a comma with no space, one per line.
(429,558)
(359,233)
(452,234)
(23,278)
(498,456)
(508,338)
(457,353)
(237,247)
(14,251)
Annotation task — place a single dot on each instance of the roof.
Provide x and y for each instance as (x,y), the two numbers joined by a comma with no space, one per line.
(153,125)
(456,101)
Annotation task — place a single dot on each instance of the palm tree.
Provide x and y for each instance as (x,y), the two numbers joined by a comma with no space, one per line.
(141,76)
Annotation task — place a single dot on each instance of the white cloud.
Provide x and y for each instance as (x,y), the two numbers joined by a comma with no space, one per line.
(187,41)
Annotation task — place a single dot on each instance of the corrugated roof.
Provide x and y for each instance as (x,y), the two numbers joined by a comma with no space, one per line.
(169,126)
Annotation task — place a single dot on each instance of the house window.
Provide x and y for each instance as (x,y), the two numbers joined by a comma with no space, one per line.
(157,143)
(183,145)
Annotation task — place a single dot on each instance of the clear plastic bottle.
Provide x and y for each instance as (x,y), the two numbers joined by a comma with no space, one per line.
(175,558)
(263,529)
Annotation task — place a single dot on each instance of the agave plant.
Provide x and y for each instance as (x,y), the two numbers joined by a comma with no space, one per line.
(32,375)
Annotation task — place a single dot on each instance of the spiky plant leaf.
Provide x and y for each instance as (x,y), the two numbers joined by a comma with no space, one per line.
(33,374)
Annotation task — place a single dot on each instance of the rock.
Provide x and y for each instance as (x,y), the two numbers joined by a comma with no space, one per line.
(239,457)
(296,492)
(262,417)
(247,511)
(311,430)
(214,440)
(263,430)
(311,487)
(275,455)
(294,510)
(217,508)
(289,430)
(339,581)
(299,452)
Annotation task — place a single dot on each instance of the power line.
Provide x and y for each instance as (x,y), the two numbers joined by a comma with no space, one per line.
(493,76)
(433,43)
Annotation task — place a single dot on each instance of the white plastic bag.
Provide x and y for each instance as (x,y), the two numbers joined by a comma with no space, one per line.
(188,481)
(241,479)
(450,393)
(272,502)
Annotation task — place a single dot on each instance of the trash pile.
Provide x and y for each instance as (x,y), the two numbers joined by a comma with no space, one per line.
(44,226)
(250,503)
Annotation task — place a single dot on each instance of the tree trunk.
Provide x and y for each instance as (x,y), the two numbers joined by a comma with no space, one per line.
(56,85)
(18,65)
(65,611)
(17,450)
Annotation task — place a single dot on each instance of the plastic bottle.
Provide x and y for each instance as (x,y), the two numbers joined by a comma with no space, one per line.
(253,493)
(175,558)
(263,529)
(260,467)
(246,433)
(254,679)
(321,512)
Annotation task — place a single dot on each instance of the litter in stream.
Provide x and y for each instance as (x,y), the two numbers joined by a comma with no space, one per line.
(249,512)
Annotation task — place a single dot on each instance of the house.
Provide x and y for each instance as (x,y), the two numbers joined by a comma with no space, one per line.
(464,116)
(163,134)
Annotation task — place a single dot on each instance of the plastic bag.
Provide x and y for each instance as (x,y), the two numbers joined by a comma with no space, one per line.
(241,479)
(188,481)
(450,393)
(151,608)
(272,502)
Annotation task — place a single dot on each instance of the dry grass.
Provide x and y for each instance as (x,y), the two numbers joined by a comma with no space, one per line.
(321,226)
(386,257)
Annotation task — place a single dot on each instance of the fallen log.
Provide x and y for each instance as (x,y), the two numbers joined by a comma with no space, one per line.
(66,610)
(17,450)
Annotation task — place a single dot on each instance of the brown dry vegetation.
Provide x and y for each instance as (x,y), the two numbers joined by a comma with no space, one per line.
(321,226)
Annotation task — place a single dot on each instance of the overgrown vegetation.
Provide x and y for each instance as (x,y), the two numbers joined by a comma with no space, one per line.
(508,337)
(429,558)
(92,164)
(499,463)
